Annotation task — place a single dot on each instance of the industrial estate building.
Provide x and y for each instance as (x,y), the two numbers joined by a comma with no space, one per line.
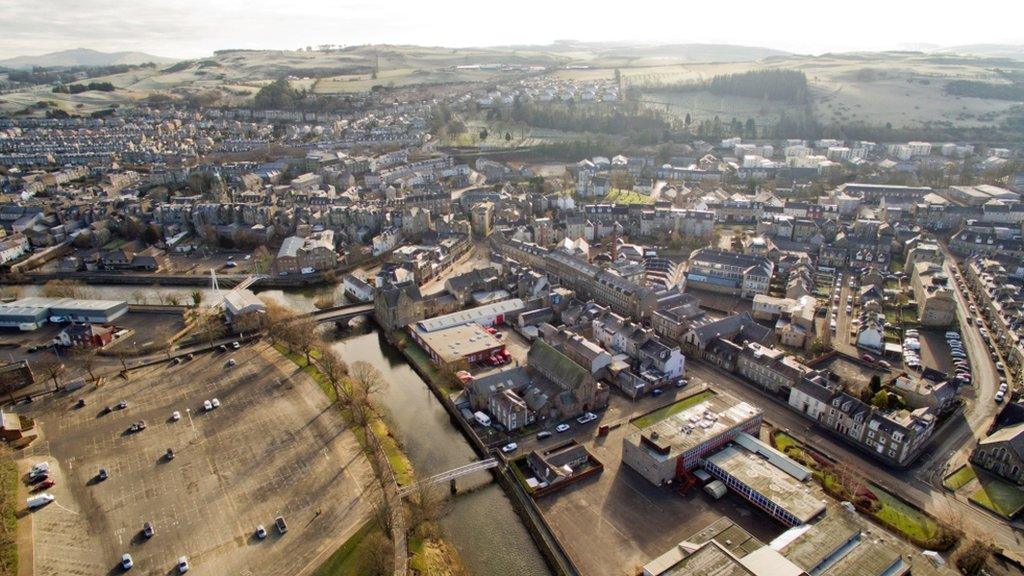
(672,446)
(839,544)
(32,313)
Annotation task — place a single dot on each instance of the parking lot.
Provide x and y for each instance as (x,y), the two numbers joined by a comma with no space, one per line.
(274,447)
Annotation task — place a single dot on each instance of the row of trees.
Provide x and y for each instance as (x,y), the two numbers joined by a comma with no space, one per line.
(768,84)
(79,88)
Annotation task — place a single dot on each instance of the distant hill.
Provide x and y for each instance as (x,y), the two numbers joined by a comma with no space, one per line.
(687,52)
(1015,51)
(82,57)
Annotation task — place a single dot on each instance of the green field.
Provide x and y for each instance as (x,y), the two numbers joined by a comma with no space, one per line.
(905,519)
(8,515)
(960,478)
(998,495)
(351,558)
(676,407)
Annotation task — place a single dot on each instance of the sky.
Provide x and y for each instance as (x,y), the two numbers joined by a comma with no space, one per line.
(195,28)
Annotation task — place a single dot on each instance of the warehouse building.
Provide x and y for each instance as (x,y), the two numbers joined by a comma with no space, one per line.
(670,442)
(449,346)
(766,483)
(31,313)
(487,315)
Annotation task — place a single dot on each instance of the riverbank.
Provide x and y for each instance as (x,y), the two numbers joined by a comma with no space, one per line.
(480,523)
(424,549)
(556,557)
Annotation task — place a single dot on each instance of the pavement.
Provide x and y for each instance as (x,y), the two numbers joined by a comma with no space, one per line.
(274,447)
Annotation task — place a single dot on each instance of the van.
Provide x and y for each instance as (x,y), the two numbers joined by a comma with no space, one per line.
(481,418)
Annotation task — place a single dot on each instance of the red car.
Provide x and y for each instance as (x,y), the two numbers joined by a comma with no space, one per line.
(44,485)
(491,330)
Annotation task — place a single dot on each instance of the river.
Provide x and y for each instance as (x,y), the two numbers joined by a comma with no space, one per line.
(480,523)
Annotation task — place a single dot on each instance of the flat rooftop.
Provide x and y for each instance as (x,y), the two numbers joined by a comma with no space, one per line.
(769,481)
(452,344)
(692,421)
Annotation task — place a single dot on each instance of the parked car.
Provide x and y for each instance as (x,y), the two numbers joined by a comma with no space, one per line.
(1000,366)
(175,416)
(215,403)
(232,362)
(543,434)
(126,561)
(169,454)
(183,564)
(122,404)
(999,397)
(236,345)
(656,392)
(867,358)
(45,484)
(261,532)
(148,530)
(587,417)
(282,527)
(509,448)
(103,475)
(563,427)
(207,405)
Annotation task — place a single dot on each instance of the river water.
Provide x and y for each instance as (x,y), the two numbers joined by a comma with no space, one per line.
(480,522)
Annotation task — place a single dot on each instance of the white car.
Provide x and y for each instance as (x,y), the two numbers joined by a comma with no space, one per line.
(562,428)
(182,564)
(215,403)
(126,562)
(510,448)
(175,416)
(587,417)
(911,333)
(207,405)
(912,344)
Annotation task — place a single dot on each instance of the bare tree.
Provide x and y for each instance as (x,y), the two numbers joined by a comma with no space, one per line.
(212,326)
(972,556)
(87,358)
(382,513)
(366,380)
(378,556)
(53,368)
(304,336)
(65,289)
(335,370)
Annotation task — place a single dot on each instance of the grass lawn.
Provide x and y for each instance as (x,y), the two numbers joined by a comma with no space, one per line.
(627,197)
(350,558)
(8,514)
(998,495)
(960,478)
(674,408)
(903,518)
